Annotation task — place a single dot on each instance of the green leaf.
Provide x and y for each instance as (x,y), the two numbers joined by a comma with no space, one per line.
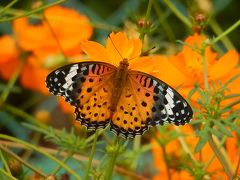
(232,126)
(216,132)
(231,96)
(222,128)
(204,136)
(202,141)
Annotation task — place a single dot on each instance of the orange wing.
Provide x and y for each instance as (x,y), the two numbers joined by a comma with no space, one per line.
(147,101)
(87,86)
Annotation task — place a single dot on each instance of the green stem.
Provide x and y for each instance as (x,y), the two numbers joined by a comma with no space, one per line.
(7,174)
(230,29)
(211,141)
(12,11)
(112,160)
(10,84)
(143,29)
(136,146)
(213,156)
(164,155)
(32,11)
(184,144)
(205,72)
(104,26)
(24,115)
(166,162)
(237,168)
(8,6)
(162,20)
(220,157)
(177,13)
(43,153)
(4,162)
(91,156)
(218,30)
(22,161)
(59,166)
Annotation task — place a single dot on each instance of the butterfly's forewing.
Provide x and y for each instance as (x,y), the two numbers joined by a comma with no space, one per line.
(148,101)
(87,86)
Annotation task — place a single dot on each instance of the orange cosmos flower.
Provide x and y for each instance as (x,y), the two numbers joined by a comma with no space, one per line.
(186,68)
(42,45)
(8,57)
(118,46)
(174,149)
(60,27)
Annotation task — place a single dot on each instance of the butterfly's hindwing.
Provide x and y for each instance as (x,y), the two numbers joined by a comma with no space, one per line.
(88,87)
(127,120)
(167,105)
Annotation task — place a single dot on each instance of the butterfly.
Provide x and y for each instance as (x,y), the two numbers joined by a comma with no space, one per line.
(130,101)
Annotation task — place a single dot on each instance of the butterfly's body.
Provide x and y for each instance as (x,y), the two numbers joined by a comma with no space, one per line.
(119,81)
(130,101)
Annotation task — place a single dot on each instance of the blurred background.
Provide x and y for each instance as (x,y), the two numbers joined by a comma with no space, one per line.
(30,113)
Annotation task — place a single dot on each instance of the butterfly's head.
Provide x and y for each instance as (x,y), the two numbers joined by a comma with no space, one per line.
(124,62)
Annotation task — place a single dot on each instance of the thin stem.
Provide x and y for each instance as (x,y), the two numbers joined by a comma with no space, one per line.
(230,29)
(136,146)
(112,160)
(205,72)
(64,161)
(10,84)
(184,144)
(104,26)
(41,152)
(121,170)
(5,162)
(164,155)
(91,156)
(237,167)
(24,115)
(8,6)
(211,141)
(22,161)
(220,157)
(166,162)
(177,13)
(213,156)
(162,20)
(32,11)
(12,11)
(143,29)
(7,174)
(218,30)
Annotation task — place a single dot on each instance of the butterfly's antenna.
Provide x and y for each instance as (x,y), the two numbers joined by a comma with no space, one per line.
(143,53)
(115,46)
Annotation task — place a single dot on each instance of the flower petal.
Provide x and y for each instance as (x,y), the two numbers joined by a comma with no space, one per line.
(224,65)
(119,47)
(32,37)
(95,51)
(34,77)
(167,72)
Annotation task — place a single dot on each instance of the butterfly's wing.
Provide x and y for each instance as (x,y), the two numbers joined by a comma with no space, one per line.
(87,86)
(147,101)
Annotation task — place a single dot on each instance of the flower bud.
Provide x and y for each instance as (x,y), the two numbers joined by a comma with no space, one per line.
(142,21)
(15,167)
